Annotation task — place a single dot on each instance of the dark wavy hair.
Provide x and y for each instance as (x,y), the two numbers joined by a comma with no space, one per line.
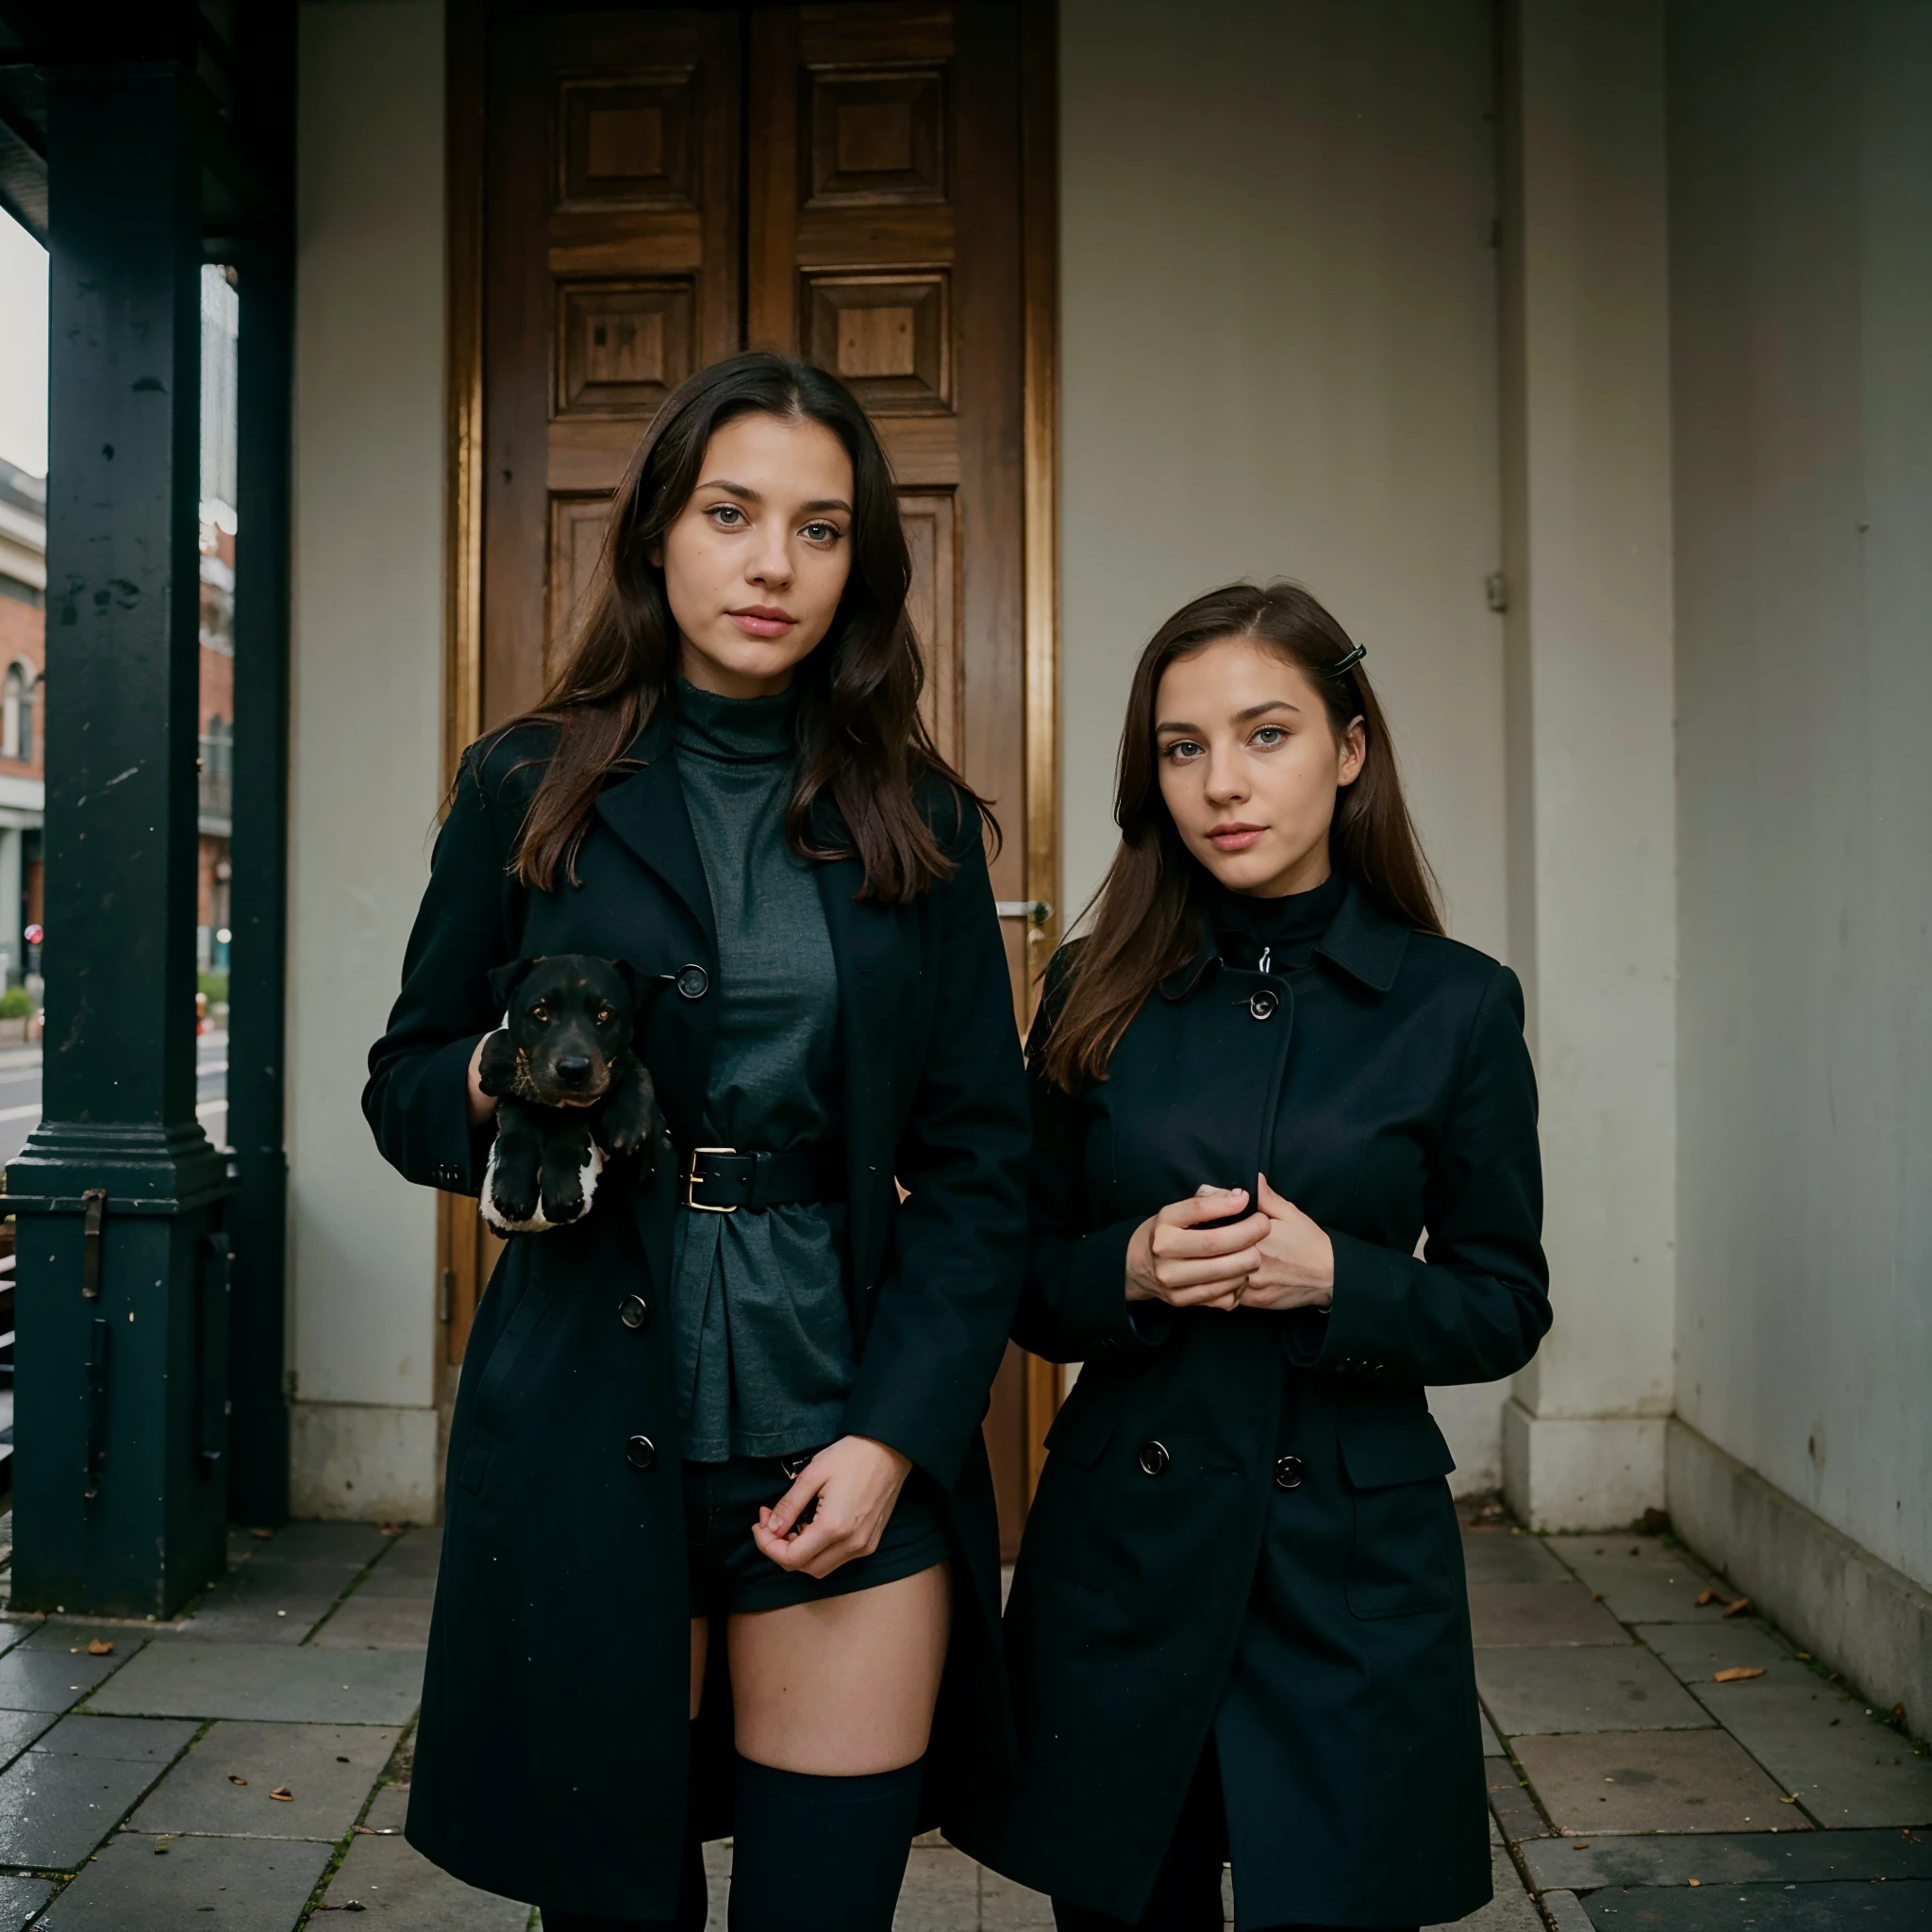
(862,745)
(1147,915)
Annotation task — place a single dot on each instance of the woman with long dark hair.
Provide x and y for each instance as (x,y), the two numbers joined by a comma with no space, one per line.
(1237,1630)
(720,1551)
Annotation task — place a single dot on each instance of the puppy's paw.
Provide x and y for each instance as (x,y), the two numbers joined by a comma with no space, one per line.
(630,1120)
(568,1190)
(510,1195)
(496,1070)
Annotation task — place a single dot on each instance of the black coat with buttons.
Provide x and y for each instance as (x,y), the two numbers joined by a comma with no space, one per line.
(1244,1529)
(552,1761)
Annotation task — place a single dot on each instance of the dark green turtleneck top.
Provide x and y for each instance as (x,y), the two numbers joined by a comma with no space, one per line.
(762,1330)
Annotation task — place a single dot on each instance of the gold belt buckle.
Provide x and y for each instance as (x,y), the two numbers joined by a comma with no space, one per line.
(691,1180)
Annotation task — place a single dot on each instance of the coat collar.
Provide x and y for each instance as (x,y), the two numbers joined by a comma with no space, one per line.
(1363,941)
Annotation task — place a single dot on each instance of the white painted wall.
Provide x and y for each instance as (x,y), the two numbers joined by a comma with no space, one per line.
(1279,359)
(368,656)
(1801,199)
(1592,850)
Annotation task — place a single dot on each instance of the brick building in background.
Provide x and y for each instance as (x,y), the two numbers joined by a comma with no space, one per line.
(23,659)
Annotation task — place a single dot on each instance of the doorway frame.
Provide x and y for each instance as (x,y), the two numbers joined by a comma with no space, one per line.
(467,20)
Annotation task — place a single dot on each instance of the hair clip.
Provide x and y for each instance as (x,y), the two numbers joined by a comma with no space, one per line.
(1347,663)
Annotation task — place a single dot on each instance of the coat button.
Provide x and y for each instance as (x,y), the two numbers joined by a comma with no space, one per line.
(641,1452)
(1290,1472)
(633,1312)
(693,982)
(1153,1459)
(1263,1003)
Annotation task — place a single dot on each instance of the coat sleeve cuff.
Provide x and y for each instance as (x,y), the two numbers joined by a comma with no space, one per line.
(458,1152)
(1095,1308)
(1361,1312)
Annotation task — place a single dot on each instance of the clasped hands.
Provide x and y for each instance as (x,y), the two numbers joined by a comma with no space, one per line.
(1275,1257)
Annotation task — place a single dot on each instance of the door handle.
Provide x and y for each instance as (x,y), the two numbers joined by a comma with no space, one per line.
(1034,911)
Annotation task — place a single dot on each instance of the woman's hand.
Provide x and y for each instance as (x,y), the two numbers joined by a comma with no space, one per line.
(481,1106)
(1296,1268)
(856,1482)
(1174,1259)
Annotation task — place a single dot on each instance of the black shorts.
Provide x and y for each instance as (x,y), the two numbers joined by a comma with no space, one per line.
(726,1570)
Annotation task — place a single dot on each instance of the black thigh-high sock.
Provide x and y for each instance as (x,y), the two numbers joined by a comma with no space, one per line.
(820,1853)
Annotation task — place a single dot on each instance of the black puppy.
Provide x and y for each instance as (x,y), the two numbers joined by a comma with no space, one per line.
(569,1088)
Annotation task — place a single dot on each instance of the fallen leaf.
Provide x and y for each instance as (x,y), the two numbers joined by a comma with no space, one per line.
(1696,1881)
(1906,1831)
(283,1793)
(1792,1800)
(1738,1675)
(1583,1847)
(160,1845)
(100,1647)
(234,1780)
(1737,1608)
(1596,1597)
(1898,1712)
(1804,1657)
(262,1536)
(1709,1595)
(391,1528)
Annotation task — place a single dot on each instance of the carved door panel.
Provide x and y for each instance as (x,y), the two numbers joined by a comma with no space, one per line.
(612,270)
(662,187)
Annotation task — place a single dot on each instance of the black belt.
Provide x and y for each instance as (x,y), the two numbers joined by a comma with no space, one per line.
(721,1180)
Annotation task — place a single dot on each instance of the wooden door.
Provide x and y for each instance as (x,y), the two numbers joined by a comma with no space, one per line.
(661,187)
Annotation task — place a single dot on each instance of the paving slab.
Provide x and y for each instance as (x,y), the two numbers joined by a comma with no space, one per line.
(1761,1858)
(18,1729)
(1540,1613)
(1619,1781)
(52,1678)
(940,1892)
(328,1770)
(384,1580)
(1600,1688)
(415,1553)
(1508,1556)
(1874,1908)
(377,1623)
(1641,1578)
(348,1546)
(1818,1741)
(1004,1906)
(389,1810)
(1510,1910)
(1510,1803)
(184,1676)
(399,1888)
(55,1808)
(153,1740)
(1492,1741)
(71,1635)
(16,1630)
(1697,1653)
(21,1899)
(259,1603)
(199,1885)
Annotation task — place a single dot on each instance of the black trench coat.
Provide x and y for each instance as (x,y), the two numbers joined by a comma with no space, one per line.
(1319,1629)
(551,1762)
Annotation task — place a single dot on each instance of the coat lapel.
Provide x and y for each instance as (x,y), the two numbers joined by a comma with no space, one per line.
(647,811)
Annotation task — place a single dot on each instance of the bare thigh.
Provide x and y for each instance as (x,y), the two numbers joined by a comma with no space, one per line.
(841,1688)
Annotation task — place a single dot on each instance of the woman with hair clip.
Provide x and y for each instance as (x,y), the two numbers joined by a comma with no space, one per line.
(1237,1630)
(715,1470)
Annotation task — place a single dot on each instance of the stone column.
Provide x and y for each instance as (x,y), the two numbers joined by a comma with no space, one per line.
(1590,736)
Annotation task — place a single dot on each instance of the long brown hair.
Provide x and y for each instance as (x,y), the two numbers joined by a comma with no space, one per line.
(862,745)
(1146,918)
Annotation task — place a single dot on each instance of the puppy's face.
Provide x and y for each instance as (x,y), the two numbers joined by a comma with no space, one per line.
(569,1018)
